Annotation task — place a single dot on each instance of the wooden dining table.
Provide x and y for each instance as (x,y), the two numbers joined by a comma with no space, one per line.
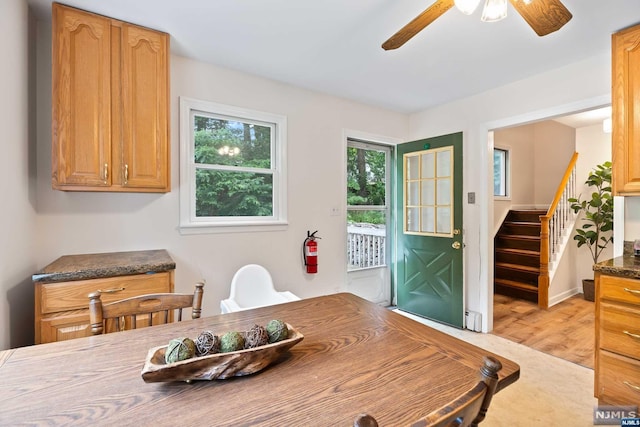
(356,357)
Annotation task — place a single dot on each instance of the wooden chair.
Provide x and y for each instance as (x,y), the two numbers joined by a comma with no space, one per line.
(468,409)
(143,310)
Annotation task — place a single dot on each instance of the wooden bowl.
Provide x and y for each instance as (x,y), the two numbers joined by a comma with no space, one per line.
(216,366)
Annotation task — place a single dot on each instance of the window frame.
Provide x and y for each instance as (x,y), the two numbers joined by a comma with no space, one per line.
(506,172)
(189,223)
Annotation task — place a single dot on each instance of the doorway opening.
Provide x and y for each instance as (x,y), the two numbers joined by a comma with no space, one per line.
(566,328)
(369,220)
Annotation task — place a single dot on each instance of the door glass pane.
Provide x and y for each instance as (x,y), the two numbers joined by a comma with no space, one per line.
(428,220)
(413,220)
(413,196)
(413,171)
(428,165)
(444,220)
(444,163)
(366,239)
(366,177)
(428,192)
(444,191)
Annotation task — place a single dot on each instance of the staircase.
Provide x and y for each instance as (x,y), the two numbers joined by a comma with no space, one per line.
(517,255)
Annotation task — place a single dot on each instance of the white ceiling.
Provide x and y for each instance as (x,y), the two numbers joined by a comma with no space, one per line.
(333,46)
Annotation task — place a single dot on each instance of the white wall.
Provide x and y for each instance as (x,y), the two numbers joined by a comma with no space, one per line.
(582,85)
(520,140)
(631,219)
(17,166)
(555,144)
(594,148)
(79,222)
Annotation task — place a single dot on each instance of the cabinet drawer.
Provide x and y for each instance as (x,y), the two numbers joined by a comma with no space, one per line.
(620,289)
(618,379)
(620,329)
(65,296)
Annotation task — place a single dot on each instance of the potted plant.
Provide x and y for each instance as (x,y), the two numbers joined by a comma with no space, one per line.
(597,220)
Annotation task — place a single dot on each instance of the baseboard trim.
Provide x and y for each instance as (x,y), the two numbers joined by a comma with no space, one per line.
(556,299)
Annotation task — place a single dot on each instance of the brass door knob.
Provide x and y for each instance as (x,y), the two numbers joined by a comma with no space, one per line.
(456,245)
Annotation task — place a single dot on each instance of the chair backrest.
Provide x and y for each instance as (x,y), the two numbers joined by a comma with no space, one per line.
(469,409)
(252,286)
(141,311)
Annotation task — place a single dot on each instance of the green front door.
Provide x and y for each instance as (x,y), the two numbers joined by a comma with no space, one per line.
(428,273)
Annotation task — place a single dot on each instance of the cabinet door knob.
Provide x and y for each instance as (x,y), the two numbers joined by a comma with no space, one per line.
(106,173)
(126,174)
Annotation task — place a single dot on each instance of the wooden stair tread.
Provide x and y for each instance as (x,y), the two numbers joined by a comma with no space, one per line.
(517,236)
(518,267)
(516,284)
(526,252)
(523,223)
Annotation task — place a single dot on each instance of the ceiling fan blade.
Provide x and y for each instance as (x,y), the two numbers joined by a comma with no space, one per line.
(544,16)
(419,22)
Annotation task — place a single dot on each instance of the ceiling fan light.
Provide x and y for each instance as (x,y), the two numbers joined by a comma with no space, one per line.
(494,10)
(466,6)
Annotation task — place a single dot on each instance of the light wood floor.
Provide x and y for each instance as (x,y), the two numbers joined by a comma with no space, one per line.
(565,330)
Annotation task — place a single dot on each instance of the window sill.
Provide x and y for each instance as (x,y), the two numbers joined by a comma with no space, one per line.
(245,227)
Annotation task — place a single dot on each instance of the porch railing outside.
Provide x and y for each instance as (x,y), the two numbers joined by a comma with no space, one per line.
(366,246)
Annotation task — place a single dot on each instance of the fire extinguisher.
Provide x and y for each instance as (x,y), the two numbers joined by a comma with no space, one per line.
(310,252)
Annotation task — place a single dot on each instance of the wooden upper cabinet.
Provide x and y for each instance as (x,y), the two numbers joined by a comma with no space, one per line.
(144,107)
(81,98)
(110,104)
(625,96)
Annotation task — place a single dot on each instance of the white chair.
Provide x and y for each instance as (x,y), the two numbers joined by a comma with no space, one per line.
(252,287)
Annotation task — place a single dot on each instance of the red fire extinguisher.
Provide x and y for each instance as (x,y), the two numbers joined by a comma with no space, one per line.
(310,252)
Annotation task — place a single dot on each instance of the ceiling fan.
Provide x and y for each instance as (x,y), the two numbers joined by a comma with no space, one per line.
(544,16)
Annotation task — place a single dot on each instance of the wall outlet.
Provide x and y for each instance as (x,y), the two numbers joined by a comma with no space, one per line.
(471,197)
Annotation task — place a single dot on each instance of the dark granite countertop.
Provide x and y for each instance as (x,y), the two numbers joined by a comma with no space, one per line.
(626,265)
(94,266)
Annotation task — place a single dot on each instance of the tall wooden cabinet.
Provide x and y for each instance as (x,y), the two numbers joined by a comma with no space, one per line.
(110,104)
(625,98)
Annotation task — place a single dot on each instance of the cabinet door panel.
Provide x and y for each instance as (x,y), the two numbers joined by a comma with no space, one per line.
(74,324)
(620,289)
(626,111)
(81,98)
(618,379)
(145,108)
(620,329)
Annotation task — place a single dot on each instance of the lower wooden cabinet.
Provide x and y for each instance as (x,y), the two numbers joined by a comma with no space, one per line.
(617,358)
(62,308)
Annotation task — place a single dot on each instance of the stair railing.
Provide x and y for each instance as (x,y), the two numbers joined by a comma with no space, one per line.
(553,226)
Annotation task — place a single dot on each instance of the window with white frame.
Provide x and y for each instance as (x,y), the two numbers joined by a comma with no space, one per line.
(233,167)
(500,172)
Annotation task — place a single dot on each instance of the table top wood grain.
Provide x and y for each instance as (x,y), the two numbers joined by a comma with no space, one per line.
(355,357)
